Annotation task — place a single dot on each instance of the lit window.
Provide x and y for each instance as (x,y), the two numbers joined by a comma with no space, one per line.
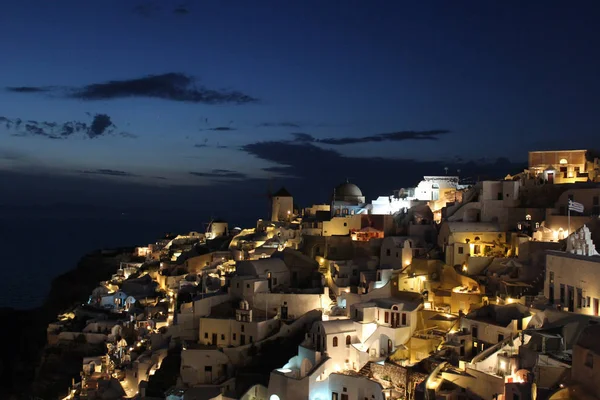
(528,217)
(563,161)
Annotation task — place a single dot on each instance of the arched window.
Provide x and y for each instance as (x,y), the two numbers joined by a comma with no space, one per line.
(348,340)
(528,217)
(335,341)
(563,161)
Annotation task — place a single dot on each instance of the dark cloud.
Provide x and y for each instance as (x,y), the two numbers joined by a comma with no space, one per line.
(283,124)
(181,10)
(29,89)
(381,137)
(108,172)
(101,125)
(317,170)
(171,86)
(220,173)
(303,137)
(200,145)
(128,135)
(146,9)
(220,129)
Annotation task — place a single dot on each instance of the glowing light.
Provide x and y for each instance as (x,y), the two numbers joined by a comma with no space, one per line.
(503,365)
(407,262)
(427,305)
(284,370)
(274,397)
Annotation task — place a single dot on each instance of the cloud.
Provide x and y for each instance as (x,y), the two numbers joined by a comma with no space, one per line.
(220,129)
(146,9)
(220,173)
(108,172)
(381,137)
(181,10)
(12,155)
(101,125)
(283,124)
(29,89)
(317,170)
(171,86)
(303,137)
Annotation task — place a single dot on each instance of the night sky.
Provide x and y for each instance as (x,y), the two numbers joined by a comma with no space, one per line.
(128,103)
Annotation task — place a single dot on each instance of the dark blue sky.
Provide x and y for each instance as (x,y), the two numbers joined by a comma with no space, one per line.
(226,93)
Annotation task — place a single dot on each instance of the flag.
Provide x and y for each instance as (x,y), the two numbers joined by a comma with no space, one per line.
(574,206)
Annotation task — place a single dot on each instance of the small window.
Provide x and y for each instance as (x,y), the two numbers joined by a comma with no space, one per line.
(237,285)
(335,341)
(528,217)
(348,340)
(242,328)
(589,360)
(388,252)
(251,339)
(461,250)
(500,337)
(387,317)
(247,286)
(345,224)
(234,336)
(222,336)
(205,335)
(474,331)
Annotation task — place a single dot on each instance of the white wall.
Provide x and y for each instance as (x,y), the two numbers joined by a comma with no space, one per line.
(230,332)
(341,225)
(575,271)
(298,304)
(194,362)
(283,207)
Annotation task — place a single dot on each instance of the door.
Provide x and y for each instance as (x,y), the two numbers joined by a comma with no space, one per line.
(596,305)
(242,340)
(344,396)
(571,297)
(214,339)
(550,177)
(389,349)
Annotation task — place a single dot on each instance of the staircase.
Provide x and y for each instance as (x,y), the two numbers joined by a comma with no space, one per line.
(366,370)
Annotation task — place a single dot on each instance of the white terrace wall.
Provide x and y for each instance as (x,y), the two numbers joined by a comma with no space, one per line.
(239,355)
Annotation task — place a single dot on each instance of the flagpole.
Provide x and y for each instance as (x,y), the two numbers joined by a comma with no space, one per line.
(569,219)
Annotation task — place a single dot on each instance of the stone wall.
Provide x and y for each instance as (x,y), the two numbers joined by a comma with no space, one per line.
(401,379)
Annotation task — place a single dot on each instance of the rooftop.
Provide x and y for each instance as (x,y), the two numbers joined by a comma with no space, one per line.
(227,311)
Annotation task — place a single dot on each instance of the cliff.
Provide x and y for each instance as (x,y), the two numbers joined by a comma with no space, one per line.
(24,331)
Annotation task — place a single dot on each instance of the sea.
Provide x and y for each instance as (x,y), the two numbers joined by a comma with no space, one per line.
(38,245)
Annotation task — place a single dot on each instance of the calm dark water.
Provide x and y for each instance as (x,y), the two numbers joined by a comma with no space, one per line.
(37,246)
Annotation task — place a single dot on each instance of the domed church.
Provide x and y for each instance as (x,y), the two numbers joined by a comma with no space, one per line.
(348,200)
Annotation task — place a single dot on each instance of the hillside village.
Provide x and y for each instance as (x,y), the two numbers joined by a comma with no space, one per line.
(447,290)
